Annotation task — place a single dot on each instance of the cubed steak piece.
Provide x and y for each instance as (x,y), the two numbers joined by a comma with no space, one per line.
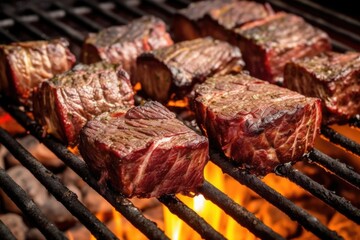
(186,24)
(122,44)
(216,18)
(66,102)
(23,65)
(332,77)
(268,44)
(144,151)
(257,124)
(171,72)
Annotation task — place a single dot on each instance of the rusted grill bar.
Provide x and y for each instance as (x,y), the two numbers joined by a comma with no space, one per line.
(56,188)
(340,204)
(343,141)
(240,214)
(121,204)
(294,212)
(190,217)
(341,169)
(28,207)
(5,232)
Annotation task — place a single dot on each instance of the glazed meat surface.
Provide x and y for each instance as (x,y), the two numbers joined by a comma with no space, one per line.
(268,44)
(23,65)
(257,124)
(122,44)
(66,102)
(144,151)
(171,72)
(333,77)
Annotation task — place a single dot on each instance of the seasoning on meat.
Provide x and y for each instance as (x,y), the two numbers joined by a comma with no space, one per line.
(333,77)
(171,72)
(122,44)
(144,151)
(268,44)
(66,102)
(257,124)
(23,65)
(216,18)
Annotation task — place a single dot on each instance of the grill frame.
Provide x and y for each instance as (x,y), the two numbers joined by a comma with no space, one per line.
(125,206)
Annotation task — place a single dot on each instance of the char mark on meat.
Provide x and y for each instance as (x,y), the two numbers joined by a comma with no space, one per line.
(66,102)
(257,124)
(171,72)
(268,44)
(122,44)
(23,65)
(144,151)
(332,77)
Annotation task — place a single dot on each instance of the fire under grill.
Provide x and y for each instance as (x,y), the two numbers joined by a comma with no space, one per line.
(45,20)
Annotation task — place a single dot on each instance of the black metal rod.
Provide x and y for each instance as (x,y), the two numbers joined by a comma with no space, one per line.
(343,141)
(190,217)
(72,33)
(355,122)
(34,31)
(238,213)
(83,20)
(10,37)
(134,10)
(28,207)
(56,188)
(121,204)
(296,213)
(163,7)
(340,204)
(331,13)
(340,169)
(5,232)
(111,16)
(317,20)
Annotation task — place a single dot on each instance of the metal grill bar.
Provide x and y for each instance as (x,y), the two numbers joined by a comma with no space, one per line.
(355,122)
(331,13)
(8,36)
(76,36)
(121,204)
(5,232)
(317,20)
(294,212)
(190,217)
(237,212)
(341,169)
(343,141)
(111,16)
(135,11)
(83,20)
(34,31)
(340,204)
(58,190)
(28,207)
(160,5)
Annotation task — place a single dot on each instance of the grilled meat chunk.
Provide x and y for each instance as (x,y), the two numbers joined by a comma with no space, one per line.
(257,124)
(268,44)
(23,65)
(171,72)
(333,77)
(144,151)
(66,102)
(216,18)
(187,21)
(122,44)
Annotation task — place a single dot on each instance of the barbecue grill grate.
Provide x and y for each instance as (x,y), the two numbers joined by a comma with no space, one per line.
(69,19)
